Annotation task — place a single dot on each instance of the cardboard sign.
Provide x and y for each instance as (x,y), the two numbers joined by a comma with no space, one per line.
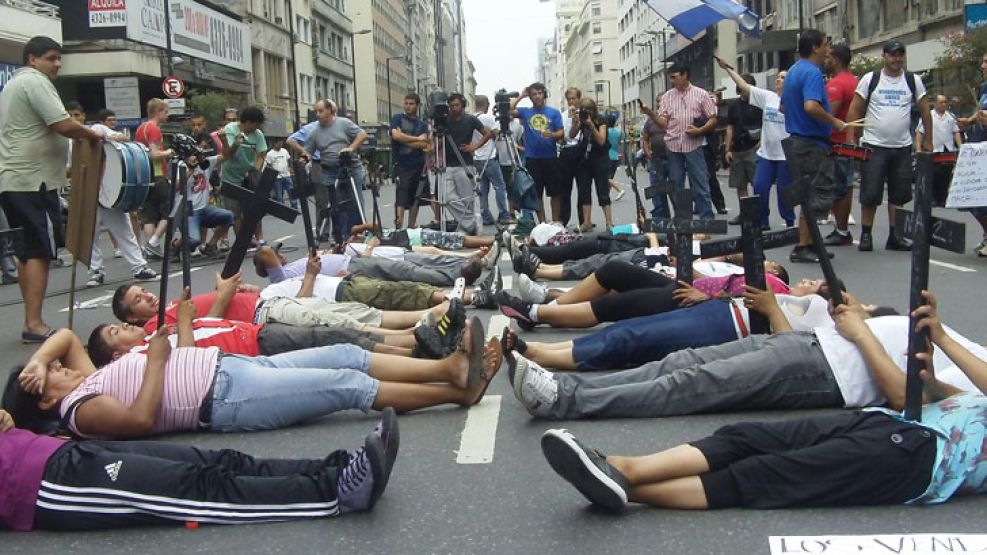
(87,159)
(900,544)
(969,186)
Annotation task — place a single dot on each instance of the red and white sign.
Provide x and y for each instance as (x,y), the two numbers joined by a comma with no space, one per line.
(173,87)
(107,13)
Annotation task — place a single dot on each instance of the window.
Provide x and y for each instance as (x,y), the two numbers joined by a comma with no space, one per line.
(597,27)
(599,88)
(594,10)
(598,67)
(597,47)
(867,18)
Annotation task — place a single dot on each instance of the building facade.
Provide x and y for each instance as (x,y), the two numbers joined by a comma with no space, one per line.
(592,53)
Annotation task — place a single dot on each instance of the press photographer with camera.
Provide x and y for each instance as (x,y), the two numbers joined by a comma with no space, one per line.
(595,169)
(571,157)
(337,139)
(542,132)
(455,127)
(487,166)
(409,138)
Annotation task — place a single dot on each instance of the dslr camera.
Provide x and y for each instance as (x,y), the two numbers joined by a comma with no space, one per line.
(439,109)
(502,106)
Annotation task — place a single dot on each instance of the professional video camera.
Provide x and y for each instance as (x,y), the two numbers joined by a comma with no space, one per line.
(185,146)
(438,101)
(345,158)
(502,107)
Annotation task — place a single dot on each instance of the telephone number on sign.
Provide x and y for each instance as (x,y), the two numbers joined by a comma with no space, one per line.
(107,18)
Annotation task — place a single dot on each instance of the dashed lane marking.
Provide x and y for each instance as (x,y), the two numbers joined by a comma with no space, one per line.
(480,433)
(508,282)
(179,272)
(951,266)
(283,239)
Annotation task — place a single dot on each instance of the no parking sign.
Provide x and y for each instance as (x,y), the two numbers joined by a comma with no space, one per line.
(173,87)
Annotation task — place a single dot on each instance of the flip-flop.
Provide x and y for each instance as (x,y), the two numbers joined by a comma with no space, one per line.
(31,337)
(519,345)
(487,378)
(475,352)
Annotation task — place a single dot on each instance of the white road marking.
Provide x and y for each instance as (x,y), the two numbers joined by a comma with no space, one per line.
(179,272)
(508,282)
(282,239)
(92,303)
(505,256)
(496,325)
(951,266)
(480,433)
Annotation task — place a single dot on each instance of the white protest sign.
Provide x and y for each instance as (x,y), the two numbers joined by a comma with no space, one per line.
(969,186)
(884,544)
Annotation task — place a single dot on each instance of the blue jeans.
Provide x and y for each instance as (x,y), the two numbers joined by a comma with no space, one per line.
(210,217)
(767,172)
(658,174)
(693,163)
(351,212)
(282,191)
(644,339)
(488,172)
(267,392)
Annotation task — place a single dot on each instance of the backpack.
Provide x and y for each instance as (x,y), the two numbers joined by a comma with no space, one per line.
(875,79)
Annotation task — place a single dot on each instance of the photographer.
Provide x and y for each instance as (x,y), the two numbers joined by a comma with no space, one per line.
(653,145)
(571,156)
(459,183)
(596,168)
(409,136)
(337,139)
(488,168)
(542,132)
(243,150)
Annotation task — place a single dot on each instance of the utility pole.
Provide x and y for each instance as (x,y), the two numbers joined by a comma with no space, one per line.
(168,52)
(294,66)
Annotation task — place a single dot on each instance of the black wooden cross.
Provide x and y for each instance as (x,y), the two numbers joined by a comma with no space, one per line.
(751,243)
(302,186)
(257,204)
(680,229)
(176,204)
(925,231)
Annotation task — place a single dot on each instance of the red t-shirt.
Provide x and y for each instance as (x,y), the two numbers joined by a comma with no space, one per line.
(235,338)
(240,309)
(149,133)
(840,88)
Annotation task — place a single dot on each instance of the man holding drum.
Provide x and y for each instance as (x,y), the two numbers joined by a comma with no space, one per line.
(32,167)
(112,212)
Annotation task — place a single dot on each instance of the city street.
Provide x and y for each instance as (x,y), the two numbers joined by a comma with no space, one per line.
(514,503)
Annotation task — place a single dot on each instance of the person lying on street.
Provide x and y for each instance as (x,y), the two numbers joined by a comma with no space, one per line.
(619,291)
(822,368)
(870,457)
(418,239)
(56,484)
(203,389)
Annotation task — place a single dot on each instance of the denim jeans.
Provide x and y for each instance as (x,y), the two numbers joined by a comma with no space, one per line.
(267,392)
(488,172)
(767,172)
(658,174)
(210,217)
(693,163)
(645,339)
(351,212)
(283,191)
(784,371)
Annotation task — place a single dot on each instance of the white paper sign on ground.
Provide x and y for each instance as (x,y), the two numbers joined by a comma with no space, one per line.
(883,544)
(969,185)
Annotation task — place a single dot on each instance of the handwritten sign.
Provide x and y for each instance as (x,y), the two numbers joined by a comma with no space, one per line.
(969,186)
(900,544)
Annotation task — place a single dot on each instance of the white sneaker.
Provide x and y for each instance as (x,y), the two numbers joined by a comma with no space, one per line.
(95,279)
(493,256)
(534,386)
(981,250)
(531,291)
(458,289)
(117,253)
(620,195)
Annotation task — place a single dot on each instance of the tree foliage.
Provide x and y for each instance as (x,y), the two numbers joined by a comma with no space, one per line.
(958,68)
(212,104)
(861,65)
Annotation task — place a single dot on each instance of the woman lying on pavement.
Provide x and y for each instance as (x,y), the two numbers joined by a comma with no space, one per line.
(644,339)
(191,388)
(868,457)
(619,291)
(789,369)
(54,484)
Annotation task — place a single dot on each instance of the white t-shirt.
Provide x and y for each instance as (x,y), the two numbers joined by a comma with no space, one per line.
(503,156)
(567,128)
(198,183)
(389,252)
(106,131)
(943,128)
(278,160)
(325,288)
(772,123)
(889,114)
(488,150)
(852,375)
(803,313)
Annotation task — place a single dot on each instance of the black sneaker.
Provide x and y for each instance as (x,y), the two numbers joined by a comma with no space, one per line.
(866,242)
(837,239)
(146,274)
(451,326)
(804,254)
(483,298)
(585,468)
(896,244)
(529,263)
(492,282)
(428,342)
(387,431)
(515,308)
(362,481)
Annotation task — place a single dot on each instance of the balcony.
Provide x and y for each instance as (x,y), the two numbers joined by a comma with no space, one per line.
(22,19)
(328,62)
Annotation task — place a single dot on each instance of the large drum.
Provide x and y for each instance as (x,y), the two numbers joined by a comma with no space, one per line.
(852,152)
(126,179)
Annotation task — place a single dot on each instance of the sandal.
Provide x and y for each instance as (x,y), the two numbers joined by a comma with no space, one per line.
(488,377)
(510,342)
(31,337)
(474,352)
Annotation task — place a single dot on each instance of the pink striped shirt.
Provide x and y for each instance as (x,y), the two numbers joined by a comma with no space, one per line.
(682,108)
(734,285)
(189,373)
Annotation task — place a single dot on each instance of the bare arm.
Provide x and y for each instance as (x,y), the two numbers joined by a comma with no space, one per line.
(973,367)
(853,114)
(817,112)
(225,288)
(312,270)
(72,129)
(357,142)
(186,312)
(63,346)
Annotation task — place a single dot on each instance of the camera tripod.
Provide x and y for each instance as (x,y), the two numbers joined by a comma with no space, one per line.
(337,207)
(439,141)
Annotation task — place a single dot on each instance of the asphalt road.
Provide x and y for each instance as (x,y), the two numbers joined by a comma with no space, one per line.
(515,503)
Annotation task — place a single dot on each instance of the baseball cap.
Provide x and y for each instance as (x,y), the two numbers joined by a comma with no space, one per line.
(894,46)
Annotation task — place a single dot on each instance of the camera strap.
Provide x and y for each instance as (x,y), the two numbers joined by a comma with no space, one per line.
(470,168)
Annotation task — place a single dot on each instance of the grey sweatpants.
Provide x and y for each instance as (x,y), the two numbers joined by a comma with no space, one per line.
(784,371)
(459,198)
(580,269)
(438,270)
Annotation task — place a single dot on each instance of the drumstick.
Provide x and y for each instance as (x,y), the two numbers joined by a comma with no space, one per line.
(861,120)
(856,124)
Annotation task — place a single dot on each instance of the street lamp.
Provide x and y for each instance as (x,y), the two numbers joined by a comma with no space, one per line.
(623,105)
(664,53)
(356,95)
(390,105)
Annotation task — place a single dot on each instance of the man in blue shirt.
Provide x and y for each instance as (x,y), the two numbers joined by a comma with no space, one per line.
(809,122)
(542,132)
(409,137)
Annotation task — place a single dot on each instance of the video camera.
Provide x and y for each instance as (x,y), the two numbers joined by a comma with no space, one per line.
(185,146)
(345,158)
(502,107)
(438,101)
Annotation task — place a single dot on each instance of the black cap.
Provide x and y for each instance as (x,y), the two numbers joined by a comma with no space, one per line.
(894,46)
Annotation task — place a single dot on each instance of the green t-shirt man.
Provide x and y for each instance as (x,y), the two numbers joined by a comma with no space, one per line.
(31,153)
(236,167)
